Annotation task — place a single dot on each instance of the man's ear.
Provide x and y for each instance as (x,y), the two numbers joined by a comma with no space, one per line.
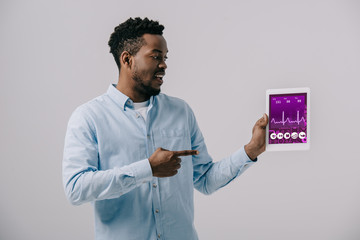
(125,59)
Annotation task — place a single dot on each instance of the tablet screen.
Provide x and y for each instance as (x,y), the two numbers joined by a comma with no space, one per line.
(288,118)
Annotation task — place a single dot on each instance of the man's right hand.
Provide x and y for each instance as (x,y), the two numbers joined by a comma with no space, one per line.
(165,163)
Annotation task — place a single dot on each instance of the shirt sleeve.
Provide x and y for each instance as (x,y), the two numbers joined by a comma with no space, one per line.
(209,176)
(83,181)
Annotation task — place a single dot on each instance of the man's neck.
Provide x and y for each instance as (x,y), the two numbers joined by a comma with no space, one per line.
(128,91)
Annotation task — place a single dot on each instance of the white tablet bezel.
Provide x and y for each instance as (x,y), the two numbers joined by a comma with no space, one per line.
(289,146)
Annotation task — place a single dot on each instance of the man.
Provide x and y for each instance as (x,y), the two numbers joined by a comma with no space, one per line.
(137,154)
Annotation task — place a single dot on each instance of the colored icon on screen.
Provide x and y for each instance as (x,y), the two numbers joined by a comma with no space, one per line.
(280,135)
(302,135)
(294,135)
(287,135)
(273,136)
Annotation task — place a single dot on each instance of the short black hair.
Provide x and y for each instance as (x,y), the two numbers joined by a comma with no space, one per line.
(127,36)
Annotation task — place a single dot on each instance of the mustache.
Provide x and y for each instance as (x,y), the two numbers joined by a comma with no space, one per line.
(161,72)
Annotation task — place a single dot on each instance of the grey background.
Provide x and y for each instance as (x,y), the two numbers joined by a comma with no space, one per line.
(223,56)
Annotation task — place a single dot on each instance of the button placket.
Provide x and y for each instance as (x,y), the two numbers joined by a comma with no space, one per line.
(156,205)
(155,185)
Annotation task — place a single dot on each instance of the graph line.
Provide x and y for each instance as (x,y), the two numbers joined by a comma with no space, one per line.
(283,121)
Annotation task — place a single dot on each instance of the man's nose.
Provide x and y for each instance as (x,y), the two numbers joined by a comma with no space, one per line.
(163,65)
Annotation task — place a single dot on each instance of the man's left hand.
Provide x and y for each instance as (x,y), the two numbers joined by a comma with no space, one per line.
(256,146)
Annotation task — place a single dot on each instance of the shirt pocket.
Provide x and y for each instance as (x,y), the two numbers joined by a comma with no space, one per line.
(176,139)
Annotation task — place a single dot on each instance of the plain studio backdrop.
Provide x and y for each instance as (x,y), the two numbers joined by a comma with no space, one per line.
(223,55)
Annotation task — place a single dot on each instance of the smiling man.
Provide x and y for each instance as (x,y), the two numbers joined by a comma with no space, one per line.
(138,154)
(145,76)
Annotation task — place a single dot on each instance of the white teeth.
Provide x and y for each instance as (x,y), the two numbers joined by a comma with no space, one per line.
(160,75)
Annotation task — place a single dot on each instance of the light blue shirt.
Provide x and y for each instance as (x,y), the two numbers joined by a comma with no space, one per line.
(107,146)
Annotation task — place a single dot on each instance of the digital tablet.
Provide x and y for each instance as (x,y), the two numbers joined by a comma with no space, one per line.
(289,119)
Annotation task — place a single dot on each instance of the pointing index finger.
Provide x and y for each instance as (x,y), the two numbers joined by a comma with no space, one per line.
(186,152)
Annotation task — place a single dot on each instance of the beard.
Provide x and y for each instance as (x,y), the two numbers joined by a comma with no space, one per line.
(143,87)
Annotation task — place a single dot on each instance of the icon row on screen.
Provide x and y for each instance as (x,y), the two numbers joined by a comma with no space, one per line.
(287,135)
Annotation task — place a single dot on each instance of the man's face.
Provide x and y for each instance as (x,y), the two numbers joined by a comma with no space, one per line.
(149,65)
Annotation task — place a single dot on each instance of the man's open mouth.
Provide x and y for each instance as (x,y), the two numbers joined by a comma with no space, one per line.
(160,75)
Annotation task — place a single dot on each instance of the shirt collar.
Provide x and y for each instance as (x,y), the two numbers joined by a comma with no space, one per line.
(122,100)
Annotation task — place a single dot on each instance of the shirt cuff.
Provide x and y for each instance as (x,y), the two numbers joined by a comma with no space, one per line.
(242,160)
(142,171)
(243,148)
(241,154)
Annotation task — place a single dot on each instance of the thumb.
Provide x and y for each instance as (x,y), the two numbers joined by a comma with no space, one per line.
(263,121)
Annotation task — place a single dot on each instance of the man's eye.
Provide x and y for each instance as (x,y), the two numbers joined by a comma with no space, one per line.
(159,58)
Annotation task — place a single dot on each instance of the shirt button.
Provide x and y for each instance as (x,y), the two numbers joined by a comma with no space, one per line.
(159,235)
(157,210)
(154,185)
